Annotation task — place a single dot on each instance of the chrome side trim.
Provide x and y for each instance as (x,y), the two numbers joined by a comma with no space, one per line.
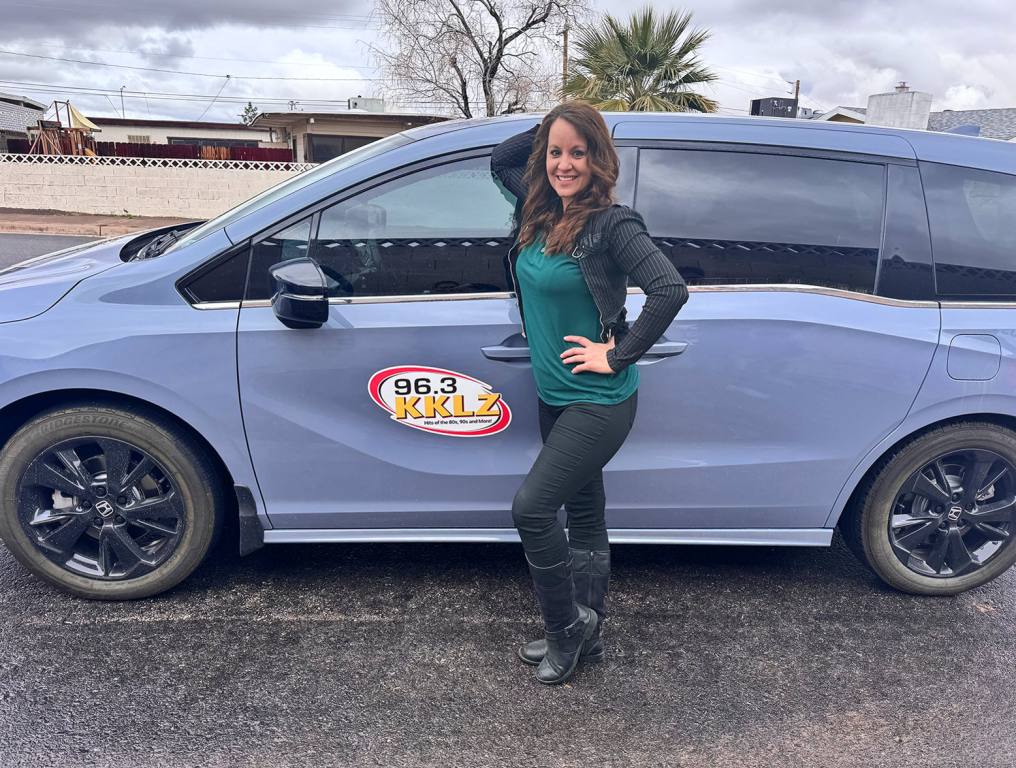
(979,305)
(218,305)
(779,537)
(341,301)
(768,288)
(420,297)
(820,289)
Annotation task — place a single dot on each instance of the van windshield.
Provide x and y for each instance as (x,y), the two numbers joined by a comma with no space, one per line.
(289,186)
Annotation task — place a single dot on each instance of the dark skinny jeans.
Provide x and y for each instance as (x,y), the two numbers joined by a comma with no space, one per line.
(578,440)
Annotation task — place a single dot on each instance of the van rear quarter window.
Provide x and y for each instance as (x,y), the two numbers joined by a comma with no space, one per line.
(972,214)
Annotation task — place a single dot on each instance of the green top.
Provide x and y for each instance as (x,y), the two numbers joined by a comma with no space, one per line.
(557,303)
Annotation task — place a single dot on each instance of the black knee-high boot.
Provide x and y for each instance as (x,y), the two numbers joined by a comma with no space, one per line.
(568,626)
(591,576)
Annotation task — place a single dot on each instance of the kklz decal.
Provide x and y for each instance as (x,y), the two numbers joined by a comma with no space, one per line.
(440,401)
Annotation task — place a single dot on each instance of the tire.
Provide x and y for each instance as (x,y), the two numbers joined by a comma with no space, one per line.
(867,529)
(172,511)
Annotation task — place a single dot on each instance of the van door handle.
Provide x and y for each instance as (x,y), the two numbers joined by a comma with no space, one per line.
(513,349)
(662,350)
(501,352)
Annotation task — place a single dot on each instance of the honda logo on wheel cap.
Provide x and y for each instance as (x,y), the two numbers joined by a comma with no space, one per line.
(955,512)
(104,508)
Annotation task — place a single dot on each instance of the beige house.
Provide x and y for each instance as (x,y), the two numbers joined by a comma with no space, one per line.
(843,115)
(181,132)
(319,136)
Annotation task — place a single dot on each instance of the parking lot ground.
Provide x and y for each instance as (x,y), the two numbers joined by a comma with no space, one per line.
(16,248)
(403,655)
(40,222)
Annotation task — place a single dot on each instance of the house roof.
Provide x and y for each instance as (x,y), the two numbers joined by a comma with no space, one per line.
(129,122)
(289,119)
(851,113)
(22,101)
(994,123)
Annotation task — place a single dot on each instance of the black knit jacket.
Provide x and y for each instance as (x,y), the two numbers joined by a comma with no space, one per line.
(613,248)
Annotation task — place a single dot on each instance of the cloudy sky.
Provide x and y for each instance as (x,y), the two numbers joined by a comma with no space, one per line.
(316,52)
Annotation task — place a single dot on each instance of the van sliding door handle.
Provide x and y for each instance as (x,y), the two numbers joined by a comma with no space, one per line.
(666,348)
(662,350)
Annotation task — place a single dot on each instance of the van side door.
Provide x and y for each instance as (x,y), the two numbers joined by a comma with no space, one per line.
(795,366)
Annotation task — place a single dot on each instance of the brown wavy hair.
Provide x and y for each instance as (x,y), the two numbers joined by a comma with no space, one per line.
(542,211)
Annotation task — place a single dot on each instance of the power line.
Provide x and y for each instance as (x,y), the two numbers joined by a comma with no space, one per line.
(737,87)
(57,88)
(207,58)
(749,73)
(224,84)
(180,72)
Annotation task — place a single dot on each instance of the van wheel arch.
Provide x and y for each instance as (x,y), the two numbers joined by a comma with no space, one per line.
(16,414)
(1001,420)
(853,522)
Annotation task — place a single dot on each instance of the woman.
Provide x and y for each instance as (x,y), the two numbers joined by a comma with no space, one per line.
(570,265)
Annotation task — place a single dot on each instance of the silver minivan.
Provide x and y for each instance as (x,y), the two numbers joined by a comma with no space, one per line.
(339,359)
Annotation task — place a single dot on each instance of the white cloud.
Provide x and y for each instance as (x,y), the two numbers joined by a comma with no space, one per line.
(841,51)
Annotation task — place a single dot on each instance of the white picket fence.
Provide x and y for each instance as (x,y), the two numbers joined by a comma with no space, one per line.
(152,162)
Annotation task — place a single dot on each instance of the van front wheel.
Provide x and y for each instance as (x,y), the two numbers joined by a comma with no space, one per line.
(107,503)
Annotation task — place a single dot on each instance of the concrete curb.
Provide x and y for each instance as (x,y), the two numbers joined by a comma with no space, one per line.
(81,229)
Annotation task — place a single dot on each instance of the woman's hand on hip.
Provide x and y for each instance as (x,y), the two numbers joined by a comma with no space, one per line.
(588,356)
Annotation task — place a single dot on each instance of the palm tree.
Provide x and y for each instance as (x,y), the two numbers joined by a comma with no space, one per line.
(642,67)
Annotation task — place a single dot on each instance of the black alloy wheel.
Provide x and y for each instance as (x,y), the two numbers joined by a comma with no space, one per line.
(101,508)
(955,514)
(937,514)
(109,502)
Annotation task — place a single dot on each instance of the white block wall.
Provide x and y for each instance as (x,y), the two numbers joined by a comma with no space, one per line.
(197,193)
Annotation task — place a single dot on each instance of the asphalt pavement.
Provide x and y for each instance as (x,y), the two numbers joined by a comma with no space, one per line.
(15,248)
(403,655)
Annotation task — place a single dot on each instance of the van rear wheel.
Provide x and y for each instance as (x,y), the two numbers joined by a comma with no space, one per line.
(107,503)
(938,517)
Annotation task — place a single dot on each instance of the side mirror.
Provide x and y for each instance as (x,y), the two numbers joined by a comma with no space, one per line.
(301,293)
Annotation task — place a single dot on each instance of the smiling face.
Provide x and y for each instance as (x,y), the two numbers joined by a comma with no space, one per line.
(567,160)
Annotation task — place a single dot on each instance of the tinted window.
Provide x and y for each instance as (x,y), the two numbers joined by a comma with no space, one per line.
(289,186)
(973,230)
(290,243)
(322,147)
(439,230)
(222,281)
(624,191)
(737,217)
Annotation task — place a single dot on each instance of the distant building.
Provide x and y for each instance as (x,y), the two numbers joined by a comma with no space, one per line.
(137,131)
(842,115)
(774,107)
(319,136)
(904,108)
(17,113)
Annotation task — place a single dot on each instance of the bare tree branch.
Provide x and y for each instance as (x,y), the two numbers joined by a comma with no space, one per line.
(455,53)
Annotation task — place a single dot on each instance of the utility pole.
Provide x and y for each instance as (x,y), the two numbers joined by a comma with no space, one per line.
(797,94)
(122,113)
(564,66)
